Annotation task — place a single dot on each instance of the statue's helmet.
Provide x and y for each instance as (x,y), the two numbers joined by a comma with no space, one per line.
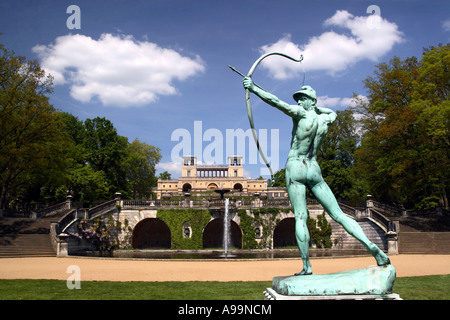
(307,91)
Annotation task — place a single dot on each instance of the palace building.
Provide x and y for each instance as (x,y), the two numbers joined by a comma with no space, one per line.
(197,178)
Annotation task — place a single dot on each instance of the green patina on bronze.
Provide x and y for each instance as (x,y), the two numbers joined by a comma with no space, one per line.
(310,126)
(372,280)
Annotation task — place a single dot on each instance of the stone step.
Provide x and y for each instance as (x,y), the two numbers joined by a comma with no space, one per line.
(424,242)
(370,229)
(24,225)
(21,237)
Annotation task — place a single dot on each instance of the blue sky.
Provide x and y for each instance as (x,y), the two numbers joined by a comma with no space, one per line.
(158,69)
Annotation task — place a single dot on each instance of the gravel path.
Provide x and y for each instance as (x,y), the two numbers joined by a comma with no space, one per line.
(206,270)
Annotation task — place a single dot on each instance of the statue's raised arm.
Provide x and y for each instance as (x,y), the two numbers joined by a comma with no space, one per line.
(272,100)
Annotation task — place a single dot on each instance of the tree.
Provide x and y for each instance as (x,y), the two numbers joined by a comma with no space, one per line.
(140,168)
(430,102)
(335,157)
(103,162)
(404,151)
(279,178)
(320,231)
(106,152)
(165,175)
(31,140)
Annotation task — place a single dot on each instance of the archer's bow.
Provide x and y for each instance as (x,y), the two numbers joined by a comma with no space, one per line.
(249,107)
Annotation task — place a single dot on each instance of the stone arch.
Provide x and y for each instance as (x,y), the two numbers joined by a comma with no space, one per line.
(238,187)
(284,233)
(212,186)
(151,233)
(187,187)
(213,234)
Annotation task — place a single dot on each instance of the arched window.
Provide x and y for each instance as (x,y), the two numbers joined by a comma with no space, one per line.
(212,186)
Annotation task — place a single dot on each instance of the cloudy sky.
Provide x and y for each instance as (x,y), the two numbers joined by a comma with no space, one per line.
(158,68)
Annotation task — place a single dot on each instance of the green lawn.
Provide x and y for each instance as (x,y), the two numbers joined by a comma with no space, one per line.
(411,288)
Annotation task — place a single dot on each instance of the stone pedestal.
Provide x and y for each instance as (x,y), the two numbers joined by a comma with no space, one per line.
(374,282)
(271,294)
(62,248)
(392,240)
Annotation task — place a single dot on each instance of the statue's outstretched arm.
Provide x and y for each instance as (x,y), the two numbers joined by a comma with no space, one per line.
(272,100)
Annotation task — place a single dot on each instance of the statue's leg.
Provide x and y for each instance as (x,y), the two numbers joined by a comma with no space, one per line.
(327,199)
(297,196)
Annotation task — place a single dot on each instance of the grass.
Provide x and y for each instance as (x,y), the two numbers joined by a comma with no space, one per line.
(423,288)
(409,288)
(108,290)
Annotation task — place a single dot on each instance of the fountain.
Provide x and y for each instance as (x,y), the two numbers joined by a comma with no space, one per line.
(226,228)
(221,191)
(226,223)
(226,232)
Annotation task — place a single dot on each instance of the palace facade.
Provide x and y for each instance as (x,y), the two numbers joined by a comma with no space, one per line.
(199,178)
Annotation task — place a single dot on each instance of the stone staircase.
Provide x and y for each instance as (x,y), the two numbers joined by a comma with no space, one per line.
(371,230)
(24,237)
(427,234)
(424,242)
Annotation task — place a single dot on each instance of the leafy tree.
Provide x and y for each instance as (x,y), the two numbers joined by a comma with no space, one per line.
(104,162)
(335,157)
(31,141)
(279,178)
(431,104)
(88,185)
(404,152)
(45,153)
(165,175)
(106,152)
(320,231)
(140,168)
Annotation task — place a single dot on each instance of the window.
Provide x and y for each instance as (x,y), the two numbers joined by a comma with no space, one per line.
(189,161)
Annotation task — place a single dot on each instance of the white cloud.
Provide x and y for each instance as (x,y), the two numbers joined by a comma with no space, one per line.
(171,167)
(119,70)
(246,173)
(333,52)
(446,25)
(336,102)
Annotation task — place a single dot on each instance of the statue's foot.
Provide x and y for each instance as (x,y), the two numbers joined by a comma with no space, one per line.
(381,258)
(303,273)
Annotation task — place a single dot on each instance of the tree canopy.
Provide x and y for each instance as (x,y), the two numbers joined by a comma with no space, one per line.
(31,139)
(404,151)
(45,153)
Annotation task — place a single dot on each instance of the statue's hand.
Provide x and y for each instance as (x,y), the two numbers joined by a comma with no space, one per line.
(248,84)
